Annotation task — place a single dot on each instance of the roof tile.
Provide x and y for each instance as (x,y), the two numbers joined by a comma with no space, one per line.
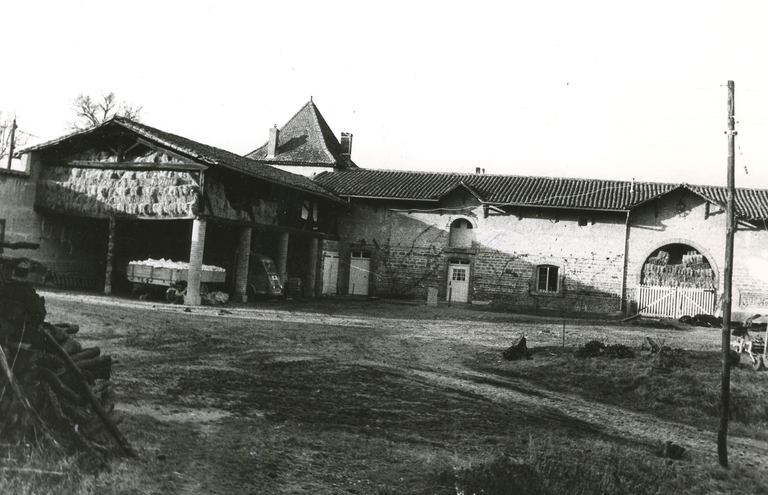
(306,139)
(592,194)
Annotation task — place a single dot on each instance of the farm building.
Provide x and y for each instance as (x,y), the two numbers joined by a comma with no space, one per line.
(123,191)
(538,244)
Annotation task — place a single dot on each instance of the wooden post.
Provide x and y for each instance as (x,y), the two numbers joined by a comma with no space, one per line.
(312,269)
(110,256)
(722,433)
(242,265)
(563,333)
(12,143)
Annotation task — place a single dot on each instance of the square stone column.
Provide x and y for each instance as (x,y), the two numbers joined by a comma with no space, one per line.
(282,257)
(195,262)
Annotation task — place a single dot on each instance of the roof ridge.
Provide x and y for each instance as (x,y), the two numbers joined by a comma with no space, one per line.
(586,179)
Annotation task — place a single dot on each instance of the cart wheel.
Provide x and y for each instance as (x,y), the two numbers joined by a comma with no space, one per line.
(173,296)
(758,363)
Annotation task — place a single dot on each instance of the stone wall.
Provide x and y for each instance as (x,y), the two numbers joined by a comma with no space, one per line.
(411,252)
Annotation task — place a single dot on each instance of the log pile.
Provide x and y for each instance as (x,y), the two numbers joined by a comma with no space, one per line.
(51,388)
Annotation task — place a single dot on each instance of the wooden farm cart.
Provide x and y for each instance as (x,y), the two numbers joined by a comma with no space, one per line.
(172,274)
(753,347)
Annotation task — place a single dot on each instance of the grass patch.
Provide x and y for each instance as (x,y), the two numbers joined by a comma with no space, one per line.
(690,395)
(560,464)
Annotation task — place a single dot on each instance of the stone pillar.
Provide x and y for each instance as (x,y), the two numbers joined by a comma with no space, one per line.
(243,262)
(110,256)
(312,270)
(195,263)
(282,257)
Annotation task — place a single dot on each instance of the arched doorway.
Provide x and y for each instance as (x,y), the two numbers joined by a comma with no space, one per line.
(676,280)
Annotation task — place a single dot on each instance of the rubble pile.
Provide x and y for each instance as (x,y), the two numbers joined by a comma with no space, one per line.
(51,388)
(666,359)
(518,350)
(595,348)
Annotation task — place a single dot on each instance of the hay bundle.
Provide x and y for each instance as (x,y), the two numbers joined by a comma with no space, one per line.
(694,272)
(163,193)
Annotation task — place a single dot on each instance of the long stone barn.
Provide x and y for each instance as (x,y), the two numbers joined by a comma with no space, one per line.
(539,244)
(98,199)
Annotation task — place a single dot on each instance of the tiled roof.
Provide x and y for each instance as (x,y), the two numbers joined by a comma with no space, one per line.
(203,153)
(751,204)
(306,139)
(590,194)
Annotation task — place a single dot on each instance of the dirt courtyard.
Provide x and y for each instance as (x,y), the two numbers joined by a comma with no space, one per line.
(351,396)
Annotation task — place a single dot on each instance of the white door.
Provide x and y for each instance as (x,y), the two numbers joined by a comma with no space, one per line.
(359,271)
(330,273)
(458,281)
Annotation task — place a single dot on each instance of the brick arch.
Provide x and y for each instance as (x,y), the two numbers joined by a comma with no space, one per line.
(687,242)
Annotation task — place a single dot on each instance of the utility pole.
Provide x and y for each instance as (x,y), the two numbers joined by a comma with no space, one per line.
(12,140)
(722,433)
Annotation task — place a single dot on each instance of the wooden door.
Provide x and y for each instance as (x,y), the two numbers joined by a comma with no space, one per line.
(458,281)
(359,272)
(330,273)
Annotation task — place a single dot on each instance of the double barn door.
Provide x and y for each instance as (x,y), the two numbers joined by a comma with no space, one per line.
(674,302)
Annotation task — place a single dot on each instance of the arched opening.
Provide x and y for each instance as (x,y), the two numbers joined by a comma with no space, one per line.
(677,280)
(461,235)
(678,265)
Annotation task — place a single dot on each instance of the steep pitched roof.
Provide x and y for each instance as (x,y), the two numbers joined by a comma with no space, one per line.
(499,190)
(201,153)
(306,139)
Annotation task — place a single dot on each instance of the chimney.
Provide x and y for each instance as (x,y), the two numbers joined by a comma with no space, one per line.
(479,170)
(346,144)
(274,142)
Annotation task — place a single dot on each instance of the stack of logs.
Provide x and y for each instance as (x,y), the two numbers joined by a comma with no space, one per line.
(51,388)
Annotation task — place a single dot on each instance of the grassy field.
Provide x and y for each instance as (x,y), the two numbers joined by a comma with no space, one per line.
(344,399)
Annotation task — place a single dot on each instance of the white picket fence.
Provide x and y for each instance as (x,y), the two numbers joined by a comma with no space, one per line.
(674,302)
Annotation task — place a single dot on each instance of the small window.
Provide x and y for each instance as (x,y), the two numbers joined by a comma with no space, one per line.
(547,278)
(361,254)
(461,234)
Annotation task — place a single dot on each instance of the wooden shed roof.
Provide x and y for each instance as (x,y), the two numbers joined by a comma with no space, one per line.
(197,152)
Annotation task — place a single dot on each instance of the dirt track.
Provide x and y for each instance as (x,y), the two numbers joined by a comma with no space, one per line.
(354,372)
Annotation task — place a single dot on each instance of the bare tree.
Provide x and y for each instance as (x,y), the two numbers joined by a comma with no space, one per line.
(91,112)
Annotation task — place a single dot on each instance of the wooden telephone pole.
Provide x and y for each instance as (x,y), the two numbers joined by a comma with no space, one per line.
(12,142)
(722,433)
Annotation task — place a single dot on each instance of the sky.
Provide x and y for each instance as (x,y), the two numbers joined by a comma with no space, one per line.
(605,90)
